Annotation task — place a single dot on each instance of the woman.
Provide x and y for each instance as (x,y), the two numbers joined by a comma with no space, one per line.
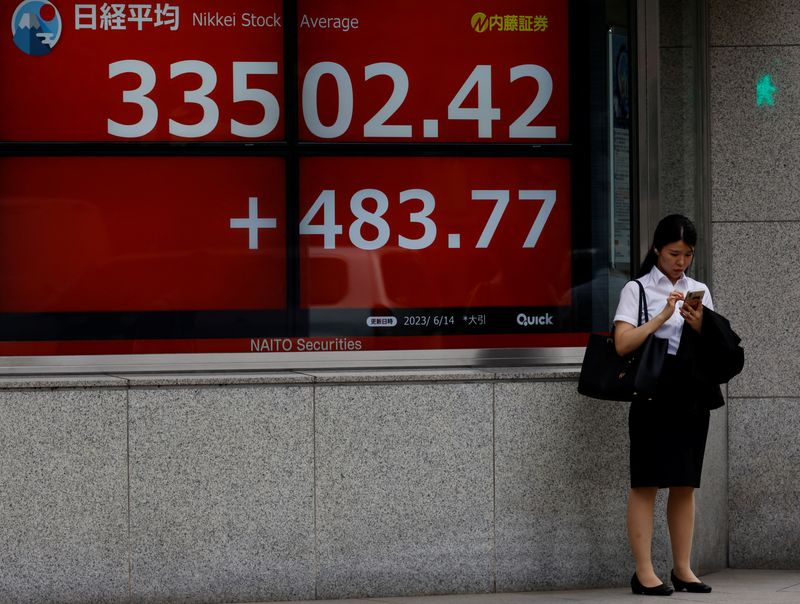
(667,433)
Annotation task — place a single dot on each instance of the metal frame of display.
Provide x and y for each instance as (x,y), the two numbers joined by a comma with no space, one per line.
(292,150)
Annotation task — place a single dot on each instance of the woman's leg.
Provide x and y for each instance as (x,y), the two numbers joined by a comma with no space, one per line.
(641,502)
(680,518)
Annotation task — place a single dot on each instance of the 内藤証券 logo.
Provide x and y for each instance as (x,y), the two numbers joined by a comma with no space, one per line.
(479,22)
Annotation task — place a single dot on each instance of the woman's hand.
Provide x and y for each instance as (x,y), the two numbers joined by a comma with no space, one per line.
(693,316)
(669,308)
(628,338)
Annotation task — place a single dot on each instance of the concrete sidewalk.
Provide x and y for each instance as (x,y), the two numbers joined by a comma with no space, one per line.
(729,587)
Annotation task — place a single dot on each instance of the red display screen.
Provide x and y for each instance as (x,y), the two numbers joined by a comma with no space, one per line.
(453,70)
(198,70)
(141,234)
(353,175)
(416,232)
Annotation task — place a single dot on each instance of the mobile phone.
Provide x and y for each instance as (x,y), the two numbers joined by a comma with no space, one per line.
(694,299)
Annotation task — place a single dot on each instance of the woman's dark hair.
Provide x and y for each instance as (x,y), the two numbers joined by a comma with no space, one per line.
(674,227)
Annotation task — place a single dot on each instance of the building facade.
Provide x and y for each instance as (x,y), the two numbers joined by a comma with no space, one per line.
(184,477)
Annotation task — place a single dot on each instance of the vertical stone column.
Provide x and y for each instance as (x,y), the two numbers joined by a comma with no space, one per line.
(755,132)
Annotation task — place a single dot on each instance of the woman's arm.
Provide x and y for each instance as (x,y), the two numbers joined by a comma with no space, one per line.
(628,338)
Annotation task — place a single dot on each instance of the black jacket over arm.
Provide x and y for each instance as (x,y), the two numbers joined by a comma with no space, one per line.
(713,357)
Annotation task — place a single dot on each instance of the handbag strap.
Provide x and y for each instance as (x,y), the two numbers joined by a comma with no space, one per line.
(642,304)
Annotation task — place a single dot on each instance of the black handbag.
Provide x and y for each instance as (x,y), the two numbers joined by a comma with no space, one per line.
(608,376)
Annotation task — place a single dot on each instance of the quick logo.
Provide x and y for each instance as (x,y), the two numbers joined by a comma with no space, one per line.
(534,320)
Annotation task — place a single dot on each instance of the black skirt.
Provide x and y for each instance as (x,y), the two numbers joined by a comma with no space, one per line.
(668,433)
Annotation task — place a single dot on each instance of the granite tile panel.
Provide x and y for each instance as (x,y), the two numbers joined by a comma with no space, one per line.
(63,496)
(677,23)
(39,382)
(710,550)
(404,489)
(748,23)
(755,149)
(213,378)
(764,483)
(677,171)
(396,375)
(562,482)
(221,494)
(756,278)
(555,373)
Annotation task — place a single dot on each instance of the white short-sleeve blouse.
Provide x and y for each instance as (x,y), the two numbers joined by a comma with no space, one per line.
(657,288)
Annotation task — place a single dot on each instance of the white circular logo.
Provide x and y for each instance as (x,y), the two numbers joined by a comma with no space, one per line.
(36,27)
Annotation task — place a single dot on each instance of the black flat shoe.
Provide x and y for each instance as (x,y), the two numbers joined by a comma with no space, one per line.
(696,588)
(641,590)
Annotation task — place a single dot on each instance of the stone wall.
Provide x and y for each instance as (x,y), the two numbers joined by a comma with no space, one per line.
(242,488)
(755,154)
